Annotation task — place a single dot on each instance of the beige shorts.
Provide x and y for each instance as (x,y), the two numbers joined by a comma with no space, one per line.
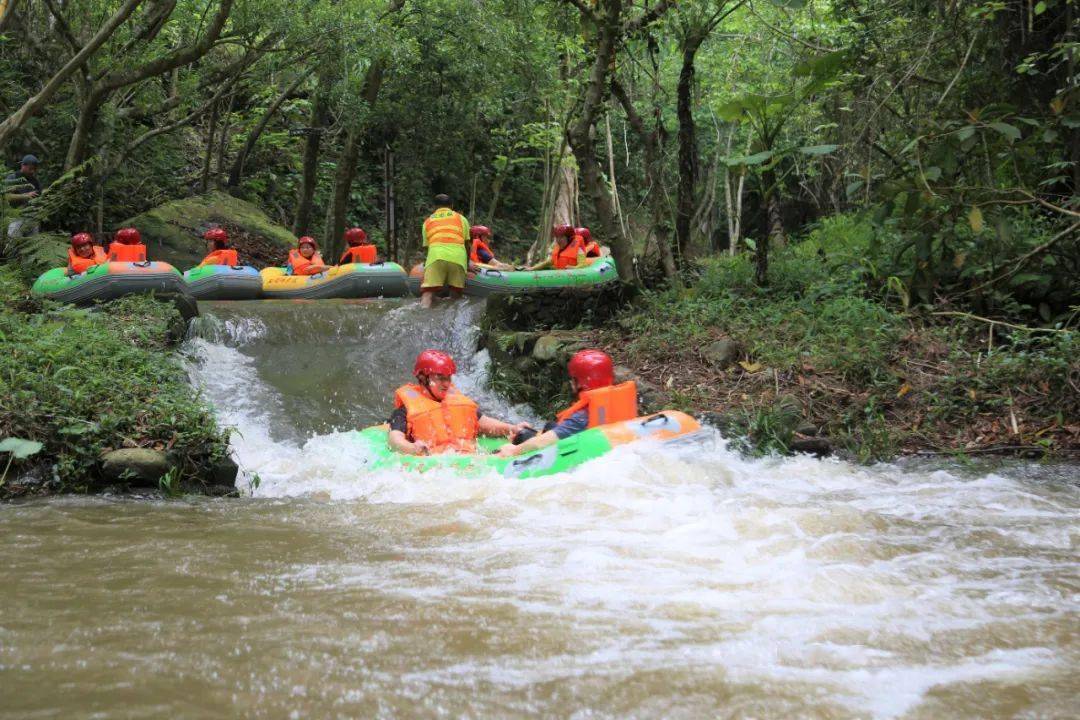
(441,273)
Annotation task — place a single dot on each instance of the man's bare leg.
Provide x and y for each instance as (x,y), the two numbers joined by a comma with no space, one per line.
(426,296)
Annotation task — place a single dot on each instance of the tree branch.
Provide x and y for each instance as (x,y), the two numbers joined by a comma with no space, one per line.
(632,26)
(585,9)
(32,105)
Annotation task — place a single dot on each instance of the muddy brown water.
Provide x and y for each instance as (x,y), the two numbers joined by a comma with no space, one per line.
(653,583)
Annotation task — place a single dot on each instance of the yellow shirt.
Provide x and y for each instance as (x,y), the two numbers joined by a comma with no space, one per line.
(445,233)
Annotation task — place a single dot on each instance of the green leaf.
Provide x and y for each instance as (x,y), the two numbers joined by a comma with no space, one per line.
(932,173)
(1049,135)
(20,448)
(854,187)
(755,159)
(818,149)
(965,132)
(1071,122)
(1024,278)
(1040,7)
(1010,131)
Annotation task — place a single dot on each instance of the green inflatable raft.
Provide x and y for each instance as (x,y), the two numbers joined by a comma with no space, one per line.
(489,282)
(666,426)
(109,281)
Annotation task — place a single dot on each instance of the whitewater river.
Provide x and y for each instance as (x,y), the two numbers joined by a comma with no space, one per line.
(653,583)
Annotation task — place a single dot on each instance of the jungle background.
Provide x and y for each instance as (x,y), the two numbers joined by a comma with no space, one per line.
(848,218)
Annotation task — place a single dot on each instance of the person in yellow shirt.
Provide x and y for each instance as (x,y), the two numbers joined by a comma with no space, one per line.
(446,234)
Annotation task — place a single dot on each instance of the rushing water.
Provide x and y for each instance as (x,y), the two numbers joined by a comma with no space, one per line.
(652,583)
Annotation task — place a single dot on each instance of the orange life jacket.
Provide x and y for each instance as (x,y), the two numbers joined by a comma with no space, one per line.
(302,266)
(450,425)
(221,257)
(566,257)
(592,249)
(606,405)
(79,264)
(474,254)
(119,252)
(359,254)
(444,226)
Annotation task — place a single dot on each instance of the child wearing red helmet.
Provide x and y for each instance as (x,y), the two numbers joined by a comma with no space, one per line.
(432,416)
(359,250)
(305,258)
(480,253)
(84,254)
(600,402)
(217,247)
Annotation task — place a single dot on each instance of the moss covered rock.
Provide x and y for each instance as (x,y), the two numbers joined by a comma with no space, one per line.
(173,231)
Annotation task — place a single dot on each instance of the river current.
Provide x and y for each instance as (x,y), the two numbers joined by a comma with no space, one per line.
(656,582)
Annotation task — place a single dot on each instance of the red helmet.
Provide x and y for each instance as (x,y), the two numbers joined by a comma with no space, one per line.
(128,236)
(592,369)
(216,235)
(561,231)
(584,233)
(82,239)
(434,362)
(480,231)
(309,240)
(355,236)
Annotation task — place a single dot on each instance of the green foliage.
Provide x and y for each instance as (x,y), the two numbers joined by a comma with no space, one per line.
(83,382)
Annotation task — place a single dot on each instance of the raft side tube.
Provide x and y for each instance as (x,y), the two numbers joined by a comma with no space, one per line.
(353,280)
(224,282)
(109,281)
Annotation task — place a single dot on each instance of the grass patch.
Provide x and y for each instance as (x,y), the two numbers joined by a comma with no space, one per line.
(829,347)
(85,382)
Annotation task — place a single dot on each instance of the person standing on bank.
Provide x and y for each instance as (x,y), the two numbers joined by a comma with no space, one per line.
(23,186)
(446,234)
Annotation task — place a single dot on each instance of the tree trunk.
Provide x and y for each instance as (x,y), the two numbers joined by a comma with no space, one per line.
(654,176)
(312,143)
(346,169)
(223,141)
(343,178)
(581,142)
(7,12)
(777,236)
(688,161)
(204,179)
(237,169)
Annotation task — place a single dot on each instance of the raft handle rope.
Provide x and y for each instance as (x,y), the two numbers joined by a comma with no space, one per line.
(143,264)
(658,417)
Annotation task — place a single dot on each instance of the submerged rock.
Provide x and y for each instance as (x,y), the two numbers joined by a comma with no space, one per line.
(140,466)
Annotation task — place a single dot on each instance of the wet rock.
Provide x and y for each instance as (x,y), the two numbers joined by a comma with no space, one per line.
(547,347)
(816,446)
(224,472)
(722,354)
(139,466)
(525,365)
(807,429)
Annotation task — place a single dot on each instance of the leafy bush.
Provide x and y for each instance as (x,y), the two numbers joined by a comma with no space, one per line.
(84,382)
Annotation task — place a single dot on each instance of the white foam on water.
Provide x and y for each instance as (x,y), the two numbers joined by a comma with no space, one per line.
(875,585)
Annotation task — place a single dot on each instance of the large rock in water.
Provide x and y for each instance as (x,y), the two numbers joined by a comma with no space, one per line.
(173,231)
(140,466)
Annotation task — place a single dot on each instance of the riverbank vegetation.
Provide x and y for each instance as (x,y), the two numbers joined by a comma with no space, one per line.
(84,383)
(877,199)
